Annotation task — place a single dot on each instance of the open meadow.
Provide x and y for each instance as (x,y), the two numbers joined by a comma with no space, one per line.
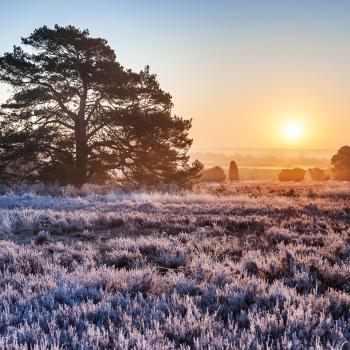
(250,265)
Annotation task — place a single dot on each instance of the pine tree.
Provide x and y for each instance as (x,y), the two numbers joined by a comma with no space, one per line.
(76,115)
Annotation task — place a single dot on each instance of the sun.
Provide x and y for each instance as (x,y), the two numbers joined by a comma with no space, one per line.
(292,130)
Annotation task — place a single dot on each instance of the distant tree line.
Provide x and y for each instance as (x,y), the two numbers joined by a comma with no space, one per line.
(340,170)
(76,115)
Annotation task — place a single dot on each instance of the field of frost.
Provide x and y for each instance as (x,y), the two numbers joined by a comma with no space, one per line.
(241,266)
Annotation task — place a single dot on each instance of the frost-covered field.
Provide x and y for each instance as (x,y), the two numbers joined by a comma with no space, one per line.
(243,266)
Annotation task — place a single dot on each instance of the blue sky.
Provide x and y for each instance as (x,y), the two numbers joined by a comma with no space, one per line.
(238,68)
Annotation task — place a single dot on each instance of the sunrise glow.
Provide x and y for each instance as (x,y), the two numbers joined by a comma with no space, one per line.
(292,130)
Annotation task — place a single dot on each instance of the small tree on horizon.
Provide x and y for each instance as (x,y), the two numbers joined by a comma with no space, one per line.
(76,115)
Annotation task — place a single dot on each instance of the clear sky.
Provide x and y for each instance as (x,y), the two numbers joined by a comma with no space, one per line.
(249,73)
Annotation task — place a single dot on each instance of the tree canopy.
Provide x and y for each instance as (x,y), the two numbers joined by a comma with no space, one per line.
(76,115)
(341,164)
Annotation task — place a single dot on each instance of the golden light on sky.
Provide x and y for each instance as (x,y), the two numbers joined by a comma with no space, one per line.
(292,130)
(235,67)
(295,129)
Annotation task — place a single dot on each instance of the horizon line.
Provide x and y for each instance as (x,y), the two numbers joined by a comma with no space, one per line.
(263,148)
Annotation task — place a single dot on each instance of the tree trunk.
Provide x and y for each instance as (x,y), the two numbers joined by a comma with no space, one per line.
(81,143)
(81,160)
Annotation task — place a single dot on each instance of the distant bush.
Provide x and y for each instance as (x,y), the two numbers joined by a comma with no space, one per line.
(215,174)
(318,174)
(341,164)
(295,174)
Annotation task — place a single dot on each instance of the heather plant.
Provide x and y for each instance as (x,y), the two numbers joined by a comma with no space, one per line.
(251,268)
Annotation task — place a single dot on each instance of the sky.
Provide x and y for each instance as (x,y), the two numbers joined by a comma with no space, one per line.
(250,74)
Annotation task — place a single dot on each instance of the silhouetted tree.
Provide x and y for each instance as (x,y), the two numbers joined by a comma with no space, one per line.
(341,164)
(76,115)
(318,174)
(295,174)
(233,171)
